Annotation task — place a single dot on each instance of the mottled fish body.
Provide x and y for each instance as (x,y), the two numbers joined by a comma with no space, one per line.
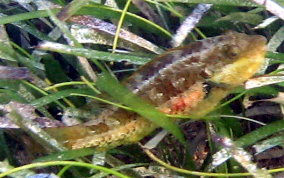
(189,80)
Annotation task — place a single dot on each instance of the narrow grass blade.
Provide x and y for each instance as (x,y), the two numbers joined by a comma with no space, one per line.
(88,53)
(108,84)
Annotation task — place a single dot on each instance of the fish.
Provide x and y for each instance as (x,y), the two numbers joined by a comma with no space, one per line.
(189,80)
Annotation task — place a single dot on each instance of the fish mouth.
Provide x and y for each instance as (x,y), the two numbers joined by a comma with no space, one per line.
(256,46)
(258,40)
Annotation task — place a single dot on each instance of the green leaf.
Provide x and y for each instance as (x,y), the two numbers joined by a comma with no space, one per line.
(263,90)
(111,86)
(260,133)
(71,9)
(276,40)
(275,55)
(243,17)
(32,30)
(217,2)
(88,53)
(96,10)
(7,95)
(58,95)
(66,155)
(269,143)
(26,16)
(253,137)
(12,55)
(102,12)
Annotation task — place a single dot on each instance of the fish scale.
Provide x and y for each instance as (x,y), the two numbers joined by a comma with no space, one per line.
(175,83)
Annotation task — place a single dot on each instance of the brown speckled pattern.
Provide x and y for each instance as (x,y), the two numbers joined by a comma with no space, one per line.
(174,83)
(178,69)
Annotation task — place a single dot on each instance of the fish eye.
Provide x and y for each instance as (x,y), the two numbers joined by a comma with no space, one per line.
(232,51)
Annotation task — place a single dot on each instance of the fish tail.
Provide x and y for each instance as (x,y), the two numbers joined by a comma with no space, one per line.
(131,132)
